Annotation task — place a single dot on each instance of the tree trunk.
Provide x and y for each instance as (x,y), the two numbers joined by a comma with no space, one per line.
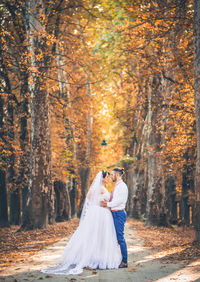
(155,194)
(3,200)
(59,201)
(14,192)
(172,203)
(84,178)
(187,187)
(89,124)
(15,207)
(84,172)
(3,190)
(139,199)
(73,193)
(129,182)
(63,205)
(69,132)
(24,141)
(69,187)
(37,208)
(197,113)
(3,185)
(38,211)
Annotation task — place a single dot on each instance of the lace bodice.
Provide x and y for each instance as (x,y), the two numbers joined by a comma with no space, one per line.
(105,195)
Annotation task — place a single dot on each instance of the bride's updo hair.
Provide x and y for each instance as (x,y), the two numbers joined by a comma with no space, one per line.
(105,173)
(119,170)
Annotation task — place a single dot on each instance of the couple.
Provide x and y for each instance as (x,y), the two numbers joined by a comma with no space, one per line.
(95,243)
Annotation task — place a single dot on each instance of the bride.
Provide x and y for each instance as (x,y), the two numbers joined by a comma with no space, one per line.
(94,243)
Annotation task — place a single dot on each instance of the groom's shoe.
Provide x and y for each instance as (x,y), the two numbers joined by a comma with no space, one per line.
(123,265)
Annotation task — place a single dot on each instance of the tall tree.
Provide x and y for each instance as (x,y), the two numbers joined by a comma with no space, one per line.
(40,184)
(197,112)
(3,189)
(4,92)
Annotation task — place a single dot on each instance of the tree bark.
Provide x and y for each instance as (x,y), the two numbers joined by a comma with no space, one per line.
(15,208)
(25,147)
(171,196)
(3,200)
(3,190)
(63,205)
(37,208)
(139,189)
(129,182)
(73,193)
(84,172)
(14,192)
(38,211)
(24,141)
(84,179)
(64,93)
(187,187)
(197,113)
(155,194)
(3,167)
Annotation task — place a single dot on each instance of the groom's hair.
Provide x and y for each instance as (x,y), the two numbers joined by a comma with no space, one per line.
(119,170)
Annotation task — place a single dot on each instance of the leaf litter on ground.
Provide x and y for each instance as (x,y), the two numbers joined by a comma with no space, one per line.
(171,244)
(175,244)
(18,246)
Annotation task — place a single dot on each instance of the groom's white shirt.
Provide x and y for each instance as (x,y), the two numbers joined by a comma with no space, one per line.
(120,196)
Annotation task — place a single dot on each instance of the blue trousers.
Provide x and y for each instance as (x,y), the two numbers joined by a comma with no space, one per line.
(119,218)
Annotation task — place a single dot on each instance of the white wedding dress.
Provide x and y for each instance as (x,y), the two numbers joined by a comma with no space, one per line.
(94,243)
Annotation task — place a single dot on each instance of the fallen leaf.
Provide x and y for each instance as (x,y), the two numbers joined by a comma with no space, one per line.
(132,269)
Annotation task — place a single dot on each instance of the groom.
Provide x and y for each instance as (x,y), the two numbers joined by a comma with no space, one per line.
(117,205)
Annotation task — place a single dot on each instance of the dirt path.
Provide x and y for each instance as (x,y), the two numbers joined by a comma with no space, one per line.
(144,265)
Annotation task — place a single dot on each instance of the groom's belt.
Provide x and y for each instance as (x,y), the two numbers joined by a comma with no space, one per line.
(117,210)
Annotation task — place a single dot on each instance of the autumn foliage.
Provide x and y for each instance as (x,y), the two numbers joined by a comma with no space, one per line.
(115,70)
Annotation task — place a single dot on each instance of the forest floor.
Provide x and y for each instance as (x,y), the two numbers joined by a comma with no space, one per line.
(155,254)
